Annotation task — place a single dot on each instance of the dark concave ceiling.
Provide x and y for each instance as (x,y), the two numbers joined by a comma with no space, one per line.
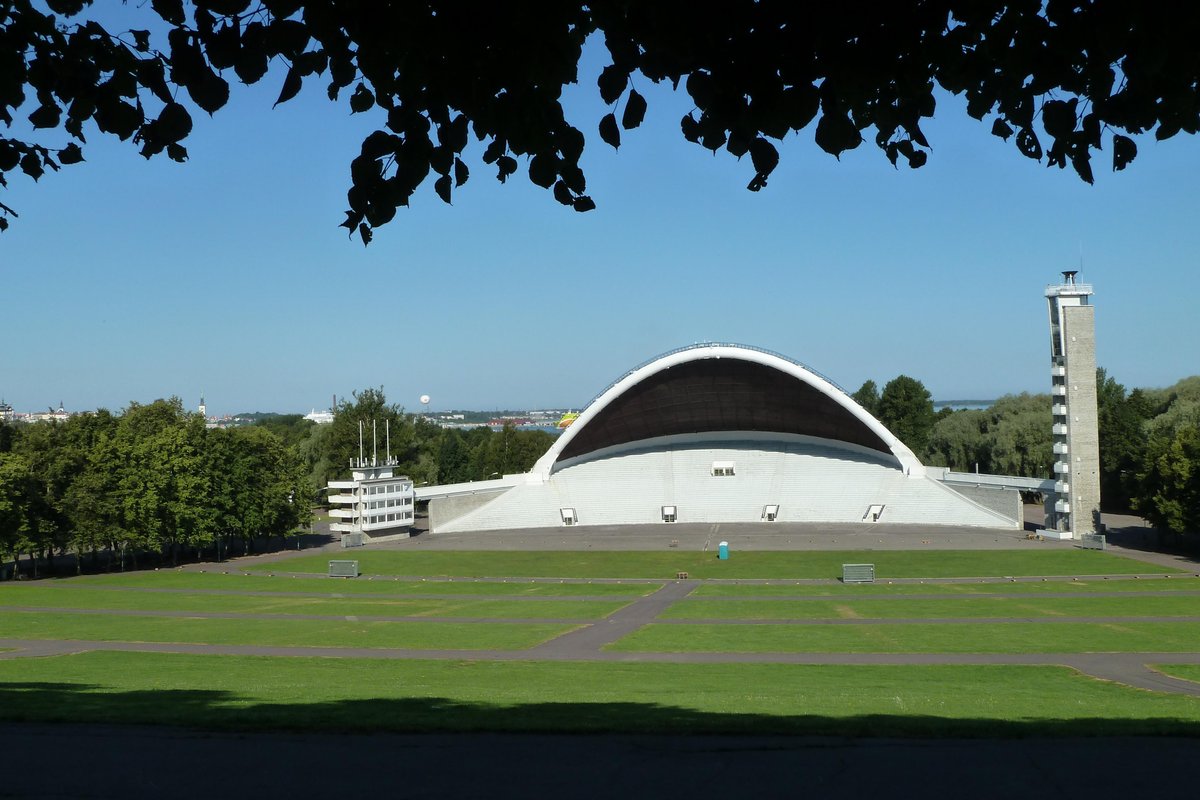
(720,394)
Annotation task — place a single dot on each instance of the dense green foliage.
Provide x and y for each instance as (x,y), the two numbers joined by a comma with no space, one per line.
(1149,441)
(867,396)
(906,408)
(426,452)
(151,480)
(1012,437)
(155,480)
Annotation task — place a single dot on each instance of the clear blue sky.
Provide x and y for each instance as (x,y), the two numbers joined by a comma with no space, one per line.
(130,280)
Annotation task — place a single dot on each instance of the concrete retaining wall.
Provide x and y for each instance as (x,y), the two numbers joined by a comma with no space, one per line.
(1002,501)
(443,510)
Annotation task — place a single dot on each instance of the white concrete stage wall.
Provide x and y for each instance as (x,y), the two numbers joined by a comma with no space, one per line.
(812,480)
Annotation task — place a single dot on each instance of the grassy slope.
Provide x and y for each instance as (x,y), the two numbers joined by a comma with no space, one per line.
(264,583)
(1183,583)
(36,596)
(1014,637)
(329,694)
(278,632)
(982,607)
(1189,672)
(663,565)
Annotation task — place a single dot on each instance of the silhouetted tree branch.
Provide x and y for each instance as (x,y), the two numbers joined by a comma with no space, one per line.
(1059,79)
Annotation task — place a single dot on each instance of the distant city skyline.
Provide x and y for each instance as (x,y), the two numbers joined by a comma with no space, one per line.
(129,280)
(953,402)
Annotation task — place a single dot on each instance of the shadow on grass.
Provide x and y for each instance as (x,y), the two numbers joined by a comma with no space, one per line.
(1149,540)
(220,710)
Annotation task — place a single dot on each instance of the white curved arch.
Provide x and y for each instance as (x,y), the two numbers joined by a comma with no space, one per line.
(908,461)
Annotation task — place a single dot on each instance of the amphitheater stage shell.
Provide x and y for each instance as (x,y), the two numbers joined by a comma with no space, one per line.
(719,433)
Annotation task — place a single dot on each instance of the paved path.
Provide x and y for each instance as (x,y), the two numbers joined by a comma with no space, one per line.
(382,581)
(1132,669)
(599,632)
(590,639)
(964,597)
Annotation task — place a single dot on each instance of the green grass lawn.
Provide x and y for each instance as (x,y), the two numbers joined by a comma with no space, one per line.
(982,607)
(365,585)
(1012,637)
(532,608)
(378,695)
(1189,672)
(759,564)
(1183,583)
(278,632)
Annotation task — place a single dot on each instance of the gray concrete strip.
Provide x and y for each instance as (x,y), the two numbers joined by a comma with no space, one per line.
(383,580)
(621,623)
(1135,669)
(628,618)
(1081,661)
(958,580)
(83,645)
(947,598)
(36,648)
(1048,620)
(692,536)
(462,596)
(124,612)
(1131,669)
(1158,559)
(518,580)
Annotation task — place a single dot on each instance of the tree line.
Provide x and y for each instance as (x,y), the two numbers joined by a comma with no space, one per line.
(153,484)
(150,485)
(1149,441)
(425,451)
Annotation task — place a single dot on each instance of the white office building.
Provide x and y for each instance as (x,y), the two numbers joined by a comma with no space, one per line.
(375,504)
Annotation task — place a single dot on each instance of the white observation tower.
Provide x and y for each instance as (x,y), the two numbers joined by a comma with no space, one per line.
(1075,504)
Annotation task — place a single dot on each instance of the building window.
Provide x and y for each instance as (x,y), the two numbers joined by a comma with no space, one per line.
(722,469)
(668,513)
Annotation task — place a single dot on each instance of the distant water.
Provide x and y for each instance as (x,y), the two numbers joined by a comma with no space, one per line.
(962,405)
